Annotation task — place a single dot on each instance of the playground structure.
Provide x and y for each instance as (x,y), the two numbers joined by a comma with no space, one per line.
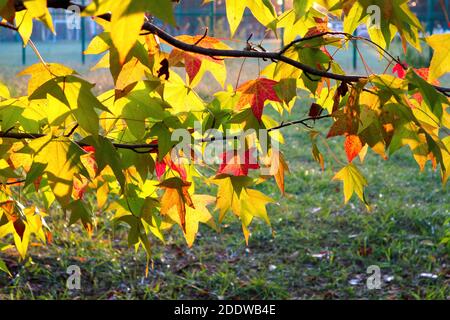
(70,26)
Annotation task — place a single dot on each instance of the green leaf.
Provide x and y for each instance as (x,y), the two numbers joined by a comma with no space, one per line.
(434,99)
(286,89)
(3,266)
(107,155)
(36,171)
(136,228)
(81,212)
(139,105)
(165,143)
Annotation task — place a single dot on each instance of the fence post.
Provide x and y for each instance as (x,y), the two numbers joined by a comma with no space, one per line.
(283,7)
(430,25)
(212,18)
(24,54)
(83,37)
(355,50)
(447,23)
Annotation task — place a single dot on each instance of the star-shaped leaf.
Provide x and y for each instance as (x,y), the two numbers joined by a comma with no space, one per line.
(440,64)
(176,195)
(196,64)
(194,216)
(127,19)
(353,146)
(354,182)
(255,93)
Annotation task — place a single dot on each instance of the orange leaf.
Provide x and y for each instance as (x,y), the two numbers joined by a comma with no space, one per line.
(255,93)
(193,61)
(278,167)
(353,146)
(176,195)
(319,28)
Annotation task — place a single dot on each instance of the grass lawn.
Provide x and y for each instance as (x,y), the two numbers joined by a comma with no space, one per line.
(318,248)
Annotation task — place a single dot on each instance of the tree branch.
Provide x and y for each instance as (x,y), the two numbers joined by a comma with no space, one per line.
(277,56)
(12,183)
(153,147)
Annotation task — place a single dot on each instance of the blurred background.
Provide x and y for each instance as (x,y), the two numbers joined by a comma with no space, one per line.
(73,34)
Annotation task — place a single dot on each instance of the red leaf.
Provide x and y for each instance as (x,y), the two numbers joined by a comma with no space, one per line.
(353,146)
(423,73)
(255,93)
(161,166)
(233,165)
(193,65)
(89,149)
(399,70)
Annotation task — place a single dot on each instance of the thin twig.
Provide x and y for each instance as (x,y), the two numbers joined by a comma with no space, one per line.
(153,147)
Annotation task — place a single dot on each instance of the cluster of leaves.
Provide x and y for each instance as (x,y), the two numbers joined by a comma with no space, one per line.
(62,146)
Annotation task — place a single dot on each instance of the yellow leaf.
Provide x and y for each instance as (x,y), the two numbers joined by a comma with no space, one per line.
(126,24)
(354,182)
(24,22)
(180,96)
(176,196)
(244,202)
(41,74)
(132,71)
(4,91)
(264,12)
(38,9)
(62,159)
(235,11)
(277,167)
(440,63)
(195,216)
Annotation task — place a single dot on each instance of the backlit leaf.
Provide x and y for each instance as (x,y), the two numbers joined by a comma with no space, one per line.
(255,93)
(353,180)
